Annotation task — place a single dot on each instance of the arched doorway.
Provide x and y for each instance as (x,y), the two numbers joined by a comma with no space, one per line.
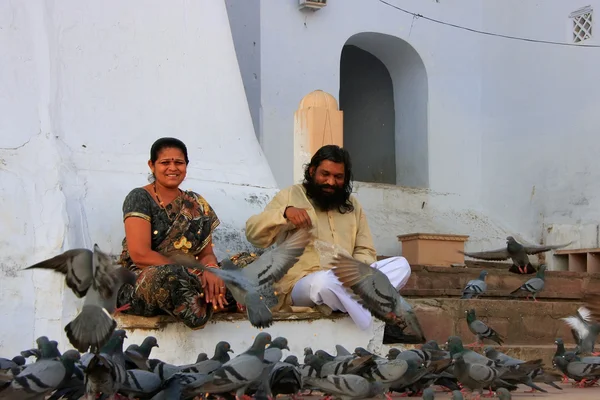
(384,94)
(367,99)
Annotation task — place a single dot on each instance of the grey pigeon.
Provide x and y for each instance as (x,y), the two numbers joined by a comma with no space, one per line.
(94,325)
(139,383)
(534,285)
(579,371)
(238,373)
(586,330)
(457,395)
(285,377)
(347,386)
(105,372)
(137,355)
(341,351)
(517,253)
(373,290)
(428,394)
(252,286)
(95,276)
(475,287)
(42,377)
(76,265)
(538,375)
(476,376)
(202,357)
(15,362)
(480,329)
(503,394)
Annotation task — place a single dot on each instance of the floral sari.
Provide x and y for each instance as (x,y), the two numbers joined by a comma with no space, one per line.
(184,226)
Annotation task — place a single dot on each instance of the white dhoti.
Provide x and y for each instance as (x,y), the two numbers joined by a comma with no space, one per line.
(322,287)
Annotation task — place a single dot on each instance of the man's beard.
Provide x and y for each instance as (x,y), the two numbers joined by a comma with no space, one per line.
(325,200)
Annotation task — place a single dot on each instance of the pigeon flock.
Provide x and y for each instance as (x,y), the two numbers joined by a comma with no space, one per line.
(98,367)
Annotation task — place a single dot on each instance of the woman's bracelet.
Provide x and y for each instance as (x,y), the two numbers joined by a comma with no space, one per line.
(212,265)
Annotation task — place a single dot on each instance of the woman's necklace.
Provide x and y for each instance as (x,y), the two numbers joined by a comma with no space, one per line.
(160,202)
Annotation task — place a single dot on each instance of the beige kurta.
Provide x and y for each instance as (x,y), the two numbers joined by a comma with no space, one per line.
(350,231)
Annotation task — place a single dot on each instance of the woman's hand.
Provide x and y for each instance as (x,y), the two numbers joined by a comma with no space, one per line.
(214,289)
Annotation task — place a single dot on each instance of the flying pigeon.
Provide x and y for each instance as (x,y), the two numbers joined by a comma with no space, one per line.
(95,276)
(252,285)
(517,253)
(534,285)
(586,330)
(373,290)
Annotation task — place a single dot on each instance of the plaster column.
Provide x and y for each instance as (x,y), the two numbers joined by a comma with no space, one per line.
(317,122)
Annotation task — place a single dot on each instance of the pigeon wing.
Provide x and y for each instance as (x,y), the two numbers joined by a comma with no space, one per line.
(372,286)
(491,255)
(76,265)
(533,249)
(272,265)
(581,328)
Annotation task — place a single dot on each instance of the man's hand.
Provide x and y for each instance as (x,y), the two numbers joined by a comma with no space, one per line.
(298,216)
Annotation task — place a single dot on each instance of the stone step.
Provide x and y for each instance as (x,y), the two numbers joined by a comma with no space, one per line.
(427,281)
(521,323)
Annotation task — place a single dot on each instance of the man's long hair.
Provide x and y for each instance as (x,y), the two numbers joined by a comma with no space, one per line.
(334,154)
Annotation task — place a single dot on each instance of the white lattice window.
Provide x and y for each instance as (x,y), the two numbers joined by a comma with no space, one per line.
(582,24)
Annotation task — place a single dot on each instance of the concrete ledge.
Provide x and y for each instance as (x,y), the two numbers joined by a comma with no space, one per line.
(126,321)
(180,344)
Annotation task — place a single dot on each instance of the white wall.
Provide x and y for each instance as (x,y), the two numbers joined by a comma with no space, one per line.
(301,52)
(86,88)
(540,122)
(512,125)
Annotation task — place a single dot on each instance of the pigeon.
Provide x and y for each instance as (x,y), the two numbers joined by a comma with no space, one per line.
(537,375)
(238,373)
(137,355)
(346,386)
(481,330)
(586,330)
(457,395)
(517,253)
(76,265)
(476,376)
(42,377)
(94,276)
(475,287)
(105,372)
(503,394)
(285,377)
(373,290)
(252,286)
(534,285)
(428,394)
(579,371)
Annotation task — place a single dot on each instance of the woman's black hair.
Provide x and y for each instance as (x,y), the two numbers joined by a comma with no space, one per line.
(166,143)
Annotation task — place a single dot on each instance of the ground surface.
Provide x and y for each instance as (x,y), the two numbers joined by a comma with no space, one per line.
(568,393)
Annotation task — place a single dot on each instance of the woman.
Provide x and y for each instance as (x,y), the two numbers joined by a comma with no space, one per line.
(161,219)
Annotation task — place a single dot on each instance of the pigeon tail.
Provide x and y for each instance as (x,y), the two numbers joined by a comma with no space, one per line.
(258,313)
(93,327)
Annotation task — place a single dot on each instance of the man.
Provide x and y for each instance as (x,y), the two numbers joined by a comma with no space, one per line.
(324,203)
